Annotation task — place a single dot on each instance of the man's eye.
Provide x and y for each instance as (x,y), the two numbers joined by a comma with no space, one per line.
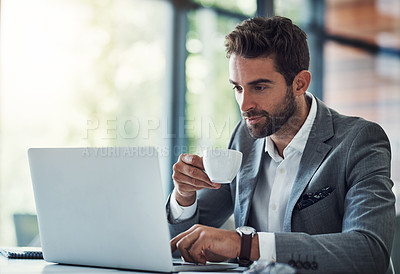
(237,88)
(260,88)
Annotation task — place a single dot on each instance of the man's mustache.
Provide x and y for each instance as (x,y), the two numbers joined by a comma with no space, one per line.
(255,113)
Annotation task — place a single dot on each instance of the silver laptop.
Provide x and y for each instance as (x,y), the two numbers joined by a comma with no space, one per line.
(104,207)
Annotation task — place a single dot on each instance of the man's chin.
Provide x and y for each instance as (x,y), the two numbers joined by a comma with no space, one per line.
(256,132)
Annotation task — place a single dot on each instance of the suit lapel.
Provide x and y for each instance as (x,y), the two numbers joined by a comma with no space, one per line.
(247,180)
(314,153)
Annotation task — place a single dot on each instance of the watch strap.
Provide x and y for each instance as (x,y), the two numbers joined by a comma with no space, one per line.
(245,250)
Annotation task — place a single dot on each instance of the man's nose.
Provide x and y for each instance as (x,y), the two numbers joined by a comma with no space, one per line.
(247,102)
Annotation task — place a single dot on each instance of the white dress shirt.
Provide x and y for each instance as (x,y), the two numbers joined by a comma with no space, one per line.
(273,188)
(275,184)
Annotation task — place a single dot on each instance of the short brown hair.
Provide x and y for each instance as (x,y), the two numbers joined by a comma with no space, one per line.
(276,37)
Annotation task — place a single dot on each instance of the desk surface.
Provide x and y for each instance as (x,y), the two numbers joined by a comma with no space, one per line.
(16,266)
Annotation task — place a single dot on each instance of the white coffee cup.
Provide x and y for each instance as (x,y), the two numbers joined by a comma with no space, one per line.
(222,165)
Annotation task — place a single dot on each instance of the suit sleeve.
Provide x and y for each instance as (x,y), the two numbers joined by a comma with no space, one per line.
(364,244)
(214,206)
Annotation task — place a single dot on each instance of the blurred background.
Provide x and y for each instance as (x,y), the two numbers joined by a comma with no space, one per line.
(154,72)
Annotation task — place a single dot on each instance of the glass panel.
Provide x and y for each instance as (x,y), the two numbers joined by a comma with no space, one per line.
(76,73)
(246,7)
(292,9)
(212,112)
(358,83)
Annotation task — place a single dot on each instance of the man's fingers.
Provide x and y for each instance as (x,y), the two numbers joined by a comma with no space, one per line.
(186,256)
(195,173)
(213,257)
(187,183)
(177,238)
(184,243)
(192,160)
(197,251)
(173,246)
(174,241)
(184,173)
(200,244)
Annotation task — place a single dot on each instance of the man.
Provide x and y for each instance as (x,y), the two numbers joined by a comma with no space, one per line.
(314,184)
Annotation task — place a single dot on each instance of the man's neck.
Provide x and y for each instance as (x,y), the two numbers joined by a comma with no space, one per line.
(286,133)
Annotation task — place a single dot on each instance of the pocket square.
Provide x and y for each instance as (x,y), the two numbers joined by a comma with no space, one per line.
(311,198)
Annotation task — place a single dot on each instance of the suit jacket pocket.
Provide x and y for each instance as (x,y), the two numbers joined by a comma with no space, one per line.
(318,218)
(311,198)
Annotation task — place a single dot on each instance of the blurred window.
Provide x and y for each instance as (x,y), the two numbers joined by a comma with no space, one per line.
(292,9)
(373,21)
(211,108)
(362,66)
(247,7)
(77,73)
(360,60)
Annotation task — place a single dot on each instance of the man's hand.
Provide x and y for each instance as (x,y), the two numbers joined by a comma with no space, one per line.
(189,176)
(200,244)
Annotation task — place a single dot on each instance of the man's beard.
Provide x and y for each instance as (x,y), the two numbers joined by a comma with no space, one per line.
(272,122)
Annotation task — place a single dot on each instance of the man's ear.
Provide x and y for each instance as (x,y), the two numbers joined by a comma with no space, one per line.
(301,82)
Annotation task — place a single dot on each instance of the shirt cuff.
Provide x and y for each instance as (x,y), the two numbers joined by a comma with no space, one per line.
(266,245)
(181,213)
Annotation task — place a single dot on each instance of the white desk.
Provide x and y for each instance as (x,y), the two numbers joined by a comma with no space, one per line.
(16,266)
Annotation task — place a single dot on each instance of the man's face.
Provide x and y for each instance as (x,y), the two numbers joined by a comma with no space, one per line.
(265,101)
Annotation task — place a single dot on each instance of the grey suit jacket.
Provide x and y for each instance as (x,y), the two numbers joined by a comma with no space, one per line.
(348,231)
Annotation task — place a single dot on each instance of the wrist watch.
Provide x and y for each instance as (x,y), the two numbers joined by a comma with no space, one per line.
(247,234)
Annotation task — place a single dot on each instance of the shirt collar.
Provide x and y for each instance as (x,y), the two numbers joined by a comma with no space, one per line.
(299,141)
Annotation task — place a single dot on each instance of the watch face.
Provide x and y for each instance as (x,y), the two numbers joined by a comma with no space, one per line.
(247,230)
